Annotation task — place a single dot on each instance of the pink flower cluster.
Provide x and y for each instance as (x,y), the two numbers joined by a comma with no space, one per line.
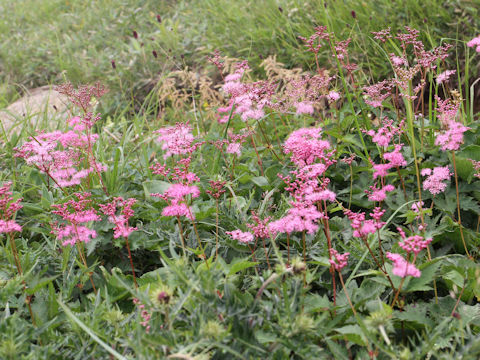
(404,71)
(176,140)
(306,146)
(75,213)
(304,107)
(146,316)
(379,194)
(234,145)
(363,227)
(300,217)
(402,267)
(338,261)
(377,93)
(434,181)
(444,76)
(60,155)
(384,135)
(476,166)
(395,158)
(413,244)
(259,227)
(179,173)
(247,100)
(312,157)
(305,94)
(177,196)
(241,236)
(83,96)
(315,42)
(121,220)
(475,43)
(8,208)
(452,138)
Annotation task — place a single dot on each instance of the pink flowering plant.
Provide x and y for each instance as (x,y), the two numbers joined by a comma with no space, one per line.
(301,213)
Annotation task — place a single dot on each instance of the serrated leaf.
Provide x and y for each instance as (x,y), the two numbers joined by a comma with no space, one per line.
(316,303)
(416,314)
(40,284)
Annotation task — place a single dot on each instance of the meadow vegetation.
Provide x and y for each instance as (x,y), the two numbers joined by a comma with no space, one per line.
(237,179)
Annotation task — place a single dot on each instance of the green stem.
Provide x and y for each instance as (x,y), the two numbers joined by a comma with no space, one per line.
(458,204)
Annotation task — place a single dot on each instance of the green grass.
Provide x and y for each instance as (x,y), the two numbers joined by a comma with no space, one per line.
(235,307)
(51,41)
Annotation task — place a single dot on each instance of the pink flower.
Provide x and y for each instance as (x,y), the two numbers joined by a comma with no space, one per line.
(61,155)
(381,170)
(179,191)
(304,107)
(242,237)
(339,261)
(364,227)
(324,195)
(176,197)
(300,217)
(384,135)
(314,170)
(9,226)
(475,42)
(177,209)
(444,76)
(433,182)
(259,227)
(234,148)
(8,208)
(305,146)
(176,140)
(452,138)
(476,165)
(75,213)
(377,93)
(415,243)
(395,158)
(397,61)
(379,194)
(71,234)
(333,96)
(417,206)
(401,267)
(121,220)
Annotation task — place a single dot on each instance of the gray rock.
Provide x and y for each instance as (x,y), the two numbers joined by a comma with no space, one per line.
(40,108)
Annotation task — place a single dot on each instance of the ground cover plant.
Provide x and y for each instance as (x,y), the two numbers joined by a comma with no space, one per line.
(314,212)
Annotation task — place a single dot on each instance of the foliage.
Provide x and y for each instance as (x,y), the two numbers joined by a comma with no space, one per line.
(272,212)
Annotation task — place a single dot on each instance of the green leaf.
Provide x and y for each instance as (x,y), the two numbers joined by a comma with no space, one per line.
(339,352)
(464,165)
(40,284)
(416,315)
(89,331)
(154,186)
(353,333)
(261,181)
(428,274)
(239,266)
(316,303)
(264,337)
(455,277)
